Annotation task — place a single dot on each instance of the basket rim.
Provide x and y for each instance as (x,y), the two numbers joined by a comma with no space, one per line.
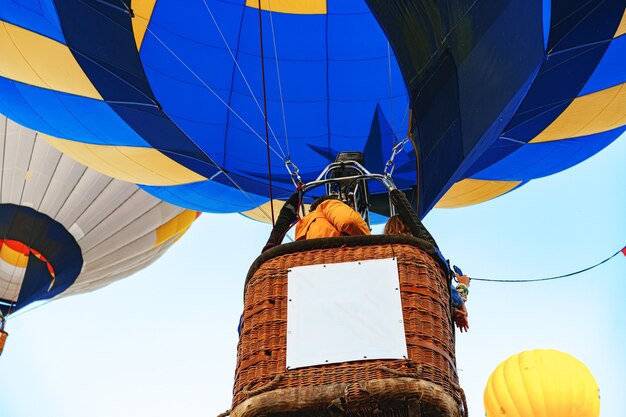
(340,242)
(324,395)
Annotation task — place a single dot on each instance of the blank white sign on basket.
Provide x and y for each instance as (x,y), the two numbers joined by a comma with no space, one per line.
(344,312)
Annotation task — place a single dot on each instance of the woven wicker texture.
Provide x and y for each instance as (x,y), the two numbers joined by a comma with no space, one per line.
(428,373)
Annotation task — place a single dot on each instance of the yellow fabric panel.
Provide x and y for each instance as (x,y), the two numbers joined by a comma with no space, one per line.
(290,6)
(532,374)
(593,113)
(13,257)
(502,402)
(175,227)
(621,29)
(143,12)
(263,213)
(34,59)
(470,191)
(145,166)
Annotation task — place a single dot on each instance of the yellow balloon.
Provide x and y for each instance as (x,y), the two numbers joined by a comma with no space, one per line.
(542,383)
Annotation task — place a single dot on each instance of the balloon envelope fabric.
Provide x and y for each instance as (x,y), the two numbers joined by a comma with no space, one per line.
(66,229)
(542,382)
(172,96)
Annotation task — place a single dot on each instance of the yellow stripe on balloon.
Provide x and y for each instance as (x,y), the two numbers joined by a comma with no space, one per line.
(290,6)
(13,257)
(175,227)
(36,60)
(145,166)
(470,191)
(589,114)
(142,10)
(621,29)
(263,213)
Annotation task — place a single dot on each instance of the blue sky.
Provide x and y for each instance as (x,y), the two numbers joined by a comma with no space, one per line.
(163,342)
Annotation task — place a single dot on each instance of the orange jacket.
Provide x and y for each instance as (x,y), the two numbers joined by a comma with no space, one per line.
(331,218)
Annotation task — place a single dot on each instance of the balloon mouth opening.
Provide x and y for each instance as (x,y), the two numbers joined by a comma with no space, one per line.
(39,257)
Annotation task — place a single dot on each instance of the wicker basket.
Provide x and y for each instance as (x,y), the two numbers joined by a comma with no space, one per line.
(424,385)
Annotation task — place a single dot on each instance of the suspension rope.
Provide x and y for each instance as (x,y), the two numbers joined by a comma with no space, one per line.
(221,170)
(27,310)
(269,161)
(418,174)
(623,250)
(212,91)
(280,87)
(217,96)
(393,125)
(245,79)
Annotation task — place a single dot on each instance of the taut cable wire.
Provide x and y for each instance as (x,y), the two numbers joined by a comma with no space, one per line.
(221,170)
(551,278)
(280,87)
(269,161)
(245,80)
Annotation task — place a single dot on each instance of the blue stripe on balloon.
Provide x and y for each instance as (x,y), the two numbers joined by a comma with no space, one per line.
(74,117)
(546,13)
(38,16)
(610,71)
(535,160)
(306,78)
(208,196)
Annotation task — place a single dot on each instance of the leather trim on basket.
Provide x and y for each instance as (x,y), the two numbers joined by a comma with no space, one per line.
(435,348)
(342,241)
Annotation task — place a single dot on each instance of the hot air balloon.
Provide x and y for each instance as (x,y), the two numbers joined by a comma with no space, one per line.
(176,98)
(542,382)
(66,229)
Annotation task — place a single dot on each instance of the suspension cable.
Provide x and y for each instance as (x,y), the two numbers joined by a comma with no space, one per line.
(221,170)
(197,77)
(393,125)
(280,87)
(267,127)
(269,161)
(217,26)
(623,250)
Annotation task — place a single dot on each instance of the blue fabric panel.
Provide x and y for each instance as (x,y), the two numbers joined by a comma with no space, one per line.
(557,84)
(38,16)
(165,136)
(208,196)
(535,160)
(347,7)
(304,43)
(185,90)
(64,115)
(484,156)
(610,70)
(582,22)
(467,64)
(35,283)
(500,65)
(375,153)
(281,184)
(546,13)
(111,62)
(438,134)
(53,241)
